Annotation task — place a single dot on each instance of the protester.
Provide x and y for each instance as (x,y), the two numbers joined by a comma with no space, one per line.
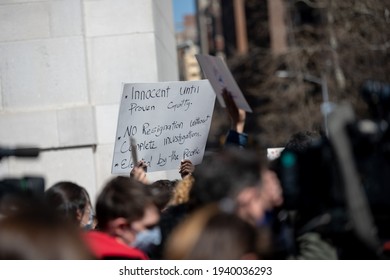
(72,202)
(172,209)
(36,232)
(162,192)
(127,221)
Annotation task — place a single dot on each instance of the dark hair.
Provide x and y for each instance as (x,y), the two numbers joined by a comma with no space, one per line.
(35,232)
(122,197)
(162,192)
(224,174)
(68,199)
(300,141)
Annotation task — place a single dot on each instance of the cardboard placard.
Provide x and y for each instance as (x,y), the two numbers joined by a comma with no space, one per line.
(220,77)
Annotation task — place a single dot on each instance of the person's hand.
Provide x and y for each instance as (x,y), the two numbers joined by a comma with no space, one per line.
(237,116)
(186,168)
(271,192)
(313,247)
(139,172)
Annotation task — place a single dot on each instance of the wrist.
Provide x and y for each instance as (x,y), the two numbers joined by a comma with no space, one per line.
(239,127)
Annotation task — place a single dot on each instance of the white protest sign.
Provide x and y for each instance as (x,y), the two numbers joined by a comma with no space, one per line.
(169,121)
(220,77)
(274,153)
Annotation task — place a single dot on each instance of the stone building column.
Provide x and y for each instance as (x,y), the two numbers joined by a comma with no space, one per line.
(62,66)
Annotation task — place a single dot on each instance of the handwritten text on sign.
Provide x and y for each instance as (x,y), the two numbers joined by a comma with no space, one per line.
(170,121)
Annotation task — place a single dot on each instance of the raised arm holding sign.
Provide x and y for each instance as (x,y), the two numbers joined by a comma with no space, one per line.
(170,121)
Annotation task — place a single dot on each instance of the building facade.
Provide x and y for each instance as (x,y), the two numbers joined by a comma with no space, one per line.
(62,67)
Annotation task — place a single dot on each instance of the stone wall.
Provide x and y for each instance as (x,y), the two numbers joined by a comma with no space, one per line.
(62,67)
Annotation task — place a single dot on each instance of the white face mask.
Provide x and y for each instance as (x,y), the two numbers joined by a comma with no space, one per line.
(146,239)
(89,224)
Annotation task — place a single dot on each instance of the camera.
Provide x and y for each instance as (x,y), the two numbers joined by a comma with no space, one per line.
(26,187)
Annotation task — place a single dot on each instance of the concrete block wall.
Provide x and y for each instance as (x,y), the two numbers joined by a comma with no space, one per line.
(62,67)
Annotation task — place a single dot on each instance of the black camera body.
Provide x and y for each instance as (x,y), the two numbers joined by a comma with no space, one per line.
(26,187)
(308,177)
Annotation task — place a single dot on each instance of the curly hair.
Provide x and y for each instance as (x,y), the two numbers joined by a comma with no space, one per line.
(182,191)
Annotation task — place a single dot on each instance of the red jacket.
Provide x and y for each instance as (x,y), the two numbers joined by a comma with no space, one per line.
(105,246)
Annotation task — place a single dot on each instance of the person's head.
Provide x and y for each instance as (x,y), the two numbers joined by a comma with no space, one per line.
(72,202)
(38,233)
(124,209)
(181,192)
(300,141)
(209,233)
(234,174)
(241,176)
(224,174)
(162,192)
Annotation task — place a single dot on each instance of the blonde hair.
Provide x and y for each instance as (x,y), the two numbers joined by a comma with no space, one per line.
(210,233)
(182,191)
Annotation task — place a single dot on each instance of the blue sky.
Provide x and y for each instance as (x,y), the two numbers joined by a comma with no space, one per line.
(181,8)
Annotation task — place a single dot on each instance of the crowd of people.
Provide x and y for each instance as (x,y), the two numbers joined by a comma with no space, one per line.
(231,206)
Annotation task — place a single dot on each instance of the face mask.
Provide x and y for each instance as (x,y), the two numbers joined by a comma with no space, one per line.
(89,224)
(146,239)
